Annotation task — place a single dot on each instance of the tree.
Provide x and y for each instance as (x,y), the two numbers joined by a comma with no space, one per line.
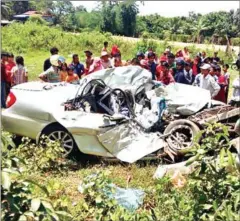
(126,13)
(198,28)
(5,11)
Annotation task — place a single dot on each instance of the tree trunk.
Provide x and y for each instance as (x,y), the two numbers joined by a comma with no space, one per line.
(228,48)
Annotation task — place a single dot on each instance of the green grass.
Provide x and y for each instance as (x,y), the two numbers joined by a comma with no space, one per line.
(64,187)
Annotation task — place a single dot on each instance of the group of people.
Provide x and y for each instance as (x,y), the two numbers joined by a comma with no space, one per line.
(13,72)
(203,71)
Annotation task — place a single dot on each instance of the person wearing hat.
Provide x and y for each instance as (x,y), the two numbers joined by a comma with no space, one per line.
(89,60)
(3,79)
(71,77)
(52,74)
(165,76)
(102,63)
(78,67)
(47,64)
(207,81)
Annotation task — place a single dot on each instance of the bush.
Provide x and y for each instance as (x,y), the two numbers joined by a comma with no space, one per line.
(18,198)
(235,41)
(33,36)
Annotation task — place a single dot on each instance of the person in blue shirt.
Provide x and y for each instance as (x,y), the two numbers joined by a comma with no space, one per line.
(78,67)
(152,65)
(184,73)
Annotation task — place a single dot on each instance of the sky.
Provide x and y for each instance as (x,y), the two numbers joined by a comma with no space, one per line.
(174,8)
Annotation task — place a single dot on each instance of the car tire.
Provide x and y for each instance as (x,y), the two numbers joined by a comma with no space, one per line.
(57,132)
(182,134)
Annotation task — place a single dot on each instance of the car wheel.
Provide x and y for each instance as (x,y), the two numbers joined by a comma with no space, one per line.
(58,133)
(181,134)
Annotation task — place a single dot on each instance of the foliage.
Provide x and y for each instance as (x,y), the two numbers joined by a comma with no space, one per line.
(211,191)
(214,184)
(44,157)
(18,201)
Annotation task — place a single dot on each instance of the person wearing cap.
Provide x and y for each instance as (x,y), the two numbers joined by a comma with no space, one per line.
(71,77)
(89,60)
(52,74)
(78,67)
(47,64)
(165,76)
(207,81)
(102,63)
(3,79)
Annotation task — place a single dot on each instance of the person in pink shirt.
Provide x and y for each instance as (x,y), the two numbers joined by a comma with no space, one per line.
(102,63)
(164,75)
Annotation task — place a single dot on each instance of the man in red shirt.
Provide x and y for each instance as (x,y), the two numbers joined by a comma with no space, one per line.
(8,68)
(164,75)
(3,79)
(222,83)
(159,68)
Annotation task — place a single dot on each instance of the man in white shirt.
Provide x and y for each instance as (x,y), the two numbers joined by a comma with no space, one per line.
(235,100)
(207,81)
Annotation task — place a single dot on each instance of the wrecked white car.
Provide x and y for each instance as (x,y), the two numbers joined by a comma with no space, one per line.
(116,113)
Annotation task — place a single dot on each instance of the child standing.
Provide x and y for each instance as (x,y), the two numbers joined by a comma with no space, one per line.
(19,72)
(72,77)
(63,72)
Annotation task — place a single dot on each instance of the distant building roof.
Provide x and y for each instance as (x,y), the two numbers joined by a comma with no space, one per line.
(31,12)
